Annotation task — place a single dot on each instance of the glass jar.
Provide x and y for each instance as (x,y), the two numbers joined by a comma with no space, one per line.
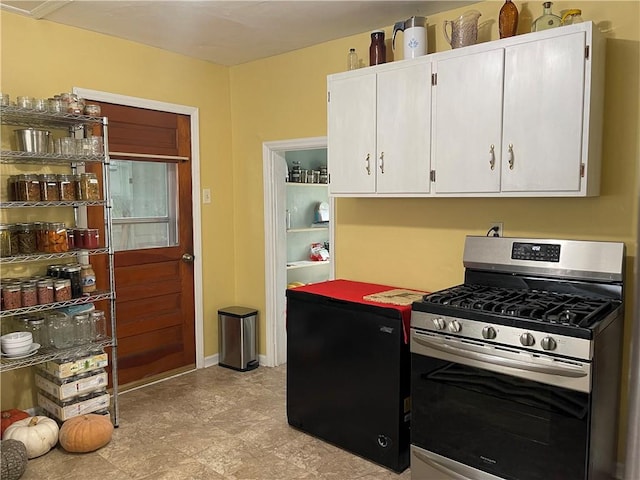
(91,238)
(54,271)
(98,325)
(92,110)
(11,296)
(82,329)
(37,328)
(45,291)
(41,236)
(28,294)
(72,272)
(27,188)
(13,237)
(63,332)
(57,238)
(67,188)
(26,238)
(89,187)
(88,278)
(546,20)
(377,49)
(49,189)
(62,290)
(5,240)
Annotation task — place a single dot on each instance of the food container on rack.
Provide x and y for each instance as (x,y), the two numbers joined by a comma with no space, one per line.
(67,187)
(28,294)
(72,272)
(62,289)
(56,238)
(11,296)
(27,188)
(5,240)
(49,188)
(45,290)
(27,238)
(32,140)
(89,188)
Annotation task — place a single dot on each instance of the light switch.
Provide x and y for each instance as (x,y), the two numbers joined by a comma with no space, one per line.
(206,195)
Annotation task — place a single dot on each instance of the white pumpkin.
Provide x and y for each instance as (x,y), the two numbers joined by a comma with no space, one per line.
(39,434)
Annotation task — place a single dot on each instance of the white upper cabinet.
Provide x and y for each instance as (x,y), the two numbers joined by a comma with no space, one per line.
(543,115)
(467,126)
(379,131)
(519,117)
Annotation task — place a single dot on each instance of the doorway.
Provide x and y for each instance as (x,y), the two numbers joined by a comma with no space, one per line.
(153,241)
(275,212)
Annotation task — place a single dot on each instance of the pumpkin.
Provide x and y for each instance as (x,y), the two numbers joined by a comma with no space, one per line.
(14,459)
(10,416)
(39,434)
(86,433)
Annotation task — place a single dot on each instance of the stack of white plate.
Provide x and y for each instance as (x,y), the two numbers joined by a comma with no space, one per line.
(18,344)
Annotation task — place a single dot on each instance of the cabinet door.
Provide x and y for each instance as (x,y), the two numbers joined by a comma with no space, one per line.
(404,130)
(351,134)
(543,115)
(468,123)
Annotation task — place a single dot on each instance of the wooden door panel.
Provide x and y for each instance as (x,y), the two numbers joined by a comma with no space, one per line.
(159,312)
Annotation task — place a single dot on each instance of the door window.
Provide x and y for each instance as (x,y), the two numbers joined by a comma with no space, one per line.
(144,199)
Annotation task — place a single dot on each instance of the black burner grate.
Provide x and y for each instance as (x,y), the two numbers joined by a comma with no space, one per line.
(548,307)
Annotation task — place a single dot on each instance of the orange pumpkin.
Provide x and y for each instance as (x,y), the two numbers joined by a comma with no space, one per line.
(85,433)
(11,416)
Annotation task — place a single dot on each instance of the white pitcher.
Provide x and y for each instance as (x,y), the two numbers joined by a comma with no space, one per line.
(415,36)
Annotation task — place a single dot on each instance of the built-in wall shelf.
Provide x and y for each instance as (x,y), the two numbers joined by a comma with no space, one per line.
(309,229)
(306,263)
(297,184)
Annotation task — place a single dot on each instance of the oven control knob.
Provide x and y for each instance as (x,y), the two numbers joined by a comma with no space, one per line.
(548,343)
(488,333)
(438,323)
(454,326)
(526,339)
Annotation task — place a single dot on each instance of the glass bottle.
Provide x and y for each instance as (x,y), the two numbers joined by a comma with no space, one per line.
(88,278)
(508,19)
(377,49)
(352,59)
(547,20)
(571,17)
(63,334)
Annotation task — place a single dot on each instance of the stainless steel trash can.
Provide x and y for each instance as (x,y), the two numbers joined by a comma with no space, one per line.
(237,338)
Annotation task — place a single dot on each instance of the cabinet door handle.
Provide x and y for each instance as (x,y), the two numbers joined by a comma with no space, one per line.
(368,160)
(510,156)
(382,162)
(492,157)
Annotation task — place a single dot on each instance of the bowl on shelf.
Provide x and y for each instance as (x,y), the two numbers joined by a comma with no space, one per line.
(16,339)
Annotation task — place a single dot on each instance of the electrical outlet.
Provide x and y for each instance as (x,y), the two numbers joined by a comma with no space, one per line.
(206,195)
(495,230)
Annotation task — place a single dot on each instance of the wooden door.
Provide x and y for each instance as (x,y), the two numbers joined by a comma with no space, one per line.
(155,314)
(404,130)
(467,125)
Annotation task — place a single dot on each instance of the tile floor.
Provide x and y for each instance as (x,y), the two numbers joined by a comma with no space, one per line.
(210,424)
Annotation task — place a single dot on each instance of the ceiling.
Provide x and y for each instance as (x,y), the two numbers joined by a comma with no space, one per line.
(228,32)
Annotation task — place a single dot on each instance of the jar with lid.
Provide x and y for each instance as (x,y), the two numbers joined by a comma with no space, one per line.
(88,279)
(63,331)
(57,238)
(45,291)
(5,240)
(28,294)
(98,325)
(27,188)
(37,328)
(91,238)
(72,272)
(54,271)
(49,189)
(82,329)
(62,290)
(572,16)
(41,235)
(26,238)
(13,237)
(377,49)
(67,187)
(89,186)
(11,296)
(295,172)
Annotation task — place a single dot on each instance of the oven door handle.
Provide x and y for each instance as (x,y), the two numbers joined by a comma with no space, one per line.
(441,468)
(443,346)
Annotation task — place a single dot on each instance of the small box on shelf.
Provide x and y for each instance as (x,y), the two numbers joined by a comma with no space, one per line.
(69,369)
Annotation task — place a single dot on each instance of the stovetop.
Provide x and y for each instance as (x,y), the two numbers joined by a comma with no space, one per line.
(536,310)
(549,307)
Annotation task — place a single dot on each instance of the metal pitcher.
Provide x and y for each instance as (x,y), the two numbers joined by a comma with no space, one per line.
(415,36)
(464,30)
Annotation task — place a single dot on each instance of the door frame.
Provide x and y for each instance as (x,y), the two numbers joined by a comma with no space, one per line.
(193,113)
(275,241)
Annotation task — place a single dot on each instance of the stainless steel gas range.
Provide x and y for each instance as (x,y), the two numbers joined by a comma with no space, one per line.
(515,374)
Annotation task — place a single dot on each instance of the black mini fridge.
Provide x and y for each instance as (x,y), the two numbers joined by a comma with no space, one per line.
(348,370)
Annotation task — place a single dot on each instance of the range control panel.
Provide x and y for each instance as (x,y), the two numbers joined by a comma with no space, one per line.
(536,252)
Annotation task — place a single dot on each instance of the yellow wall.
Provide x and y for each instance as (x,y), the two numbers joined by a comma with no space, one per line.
(414,243)
(40,59)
